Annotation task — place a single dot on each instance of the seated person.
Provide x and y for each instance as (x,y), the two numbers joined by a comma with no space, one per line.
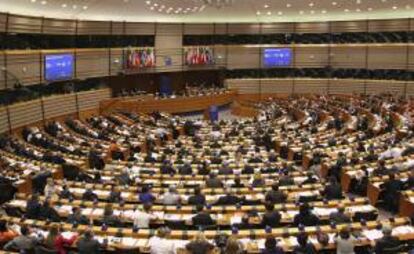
(237,183)
(89,195)
(33,207)
(56,241)
(339,217)
(304,247)
(333,190)
(24,242)
(213,181)
(77,217)
(87,244)
(171,197)
(310,179)
(198,198)
(391,189)
(109,218)
(160,242)
(185,169)
(200,245)
(6,233)
(286,179)
(275,196)
(271,217)
(271,246)
(305,216)
(228,199)
(114,195)
(387,241)
(142,219)
(258,181)
(146,196)
(202,218)
(47,212)
(65,193)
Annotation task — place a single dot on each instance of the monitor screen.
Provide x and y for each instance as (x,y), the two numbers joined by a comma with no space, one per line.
(276,57)
(59,67)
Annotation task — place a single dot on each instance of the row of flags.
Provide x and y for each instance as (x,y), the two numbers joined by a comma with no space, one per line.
(199,56)
(140,58)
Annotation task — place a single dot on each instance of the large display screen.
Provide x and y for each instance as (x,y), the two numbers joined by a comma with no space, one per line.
(199,56)
(59,67)
(140,58)
(277,57)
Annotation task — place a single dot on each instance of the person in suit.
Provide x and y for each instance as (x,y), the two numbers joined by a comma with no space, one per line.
(391,189)
(225,169)
(200,245)
(109,218)
(275,196)
(339,217)
(89,195)
(198,198)
(371,157)
(87,244)
(304,247)
(237,183)
(146,196)
(202,218)
(186,169)
(114,195)
(24,243)
(271,246)
(333,190)
(286,179)
(310,179)
(381,169)
(33,207)
(258,181)
(77,217)
(213,181)
(65,193)
(228,199)
(167,168)
(387,241)
(271,217)
(47,212)
(305,216)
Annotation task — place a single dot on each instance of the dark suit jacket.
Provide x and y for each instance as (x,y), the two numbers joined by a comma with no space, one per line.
(202,219)
(228,200)
(306,220)
(88,246)
(214,183)
(271,219)
(197,200)
(333,192)
(339,218)
(275,197)
(386,242)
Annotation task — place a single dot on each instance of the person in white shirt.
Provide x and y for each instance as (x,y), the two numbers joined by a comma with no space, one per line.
(160,244)
(143,218)
(50,188)
(171,197)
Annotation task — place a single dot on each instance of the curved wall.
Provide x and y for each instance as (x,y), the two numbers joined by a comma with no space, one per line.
(27,65)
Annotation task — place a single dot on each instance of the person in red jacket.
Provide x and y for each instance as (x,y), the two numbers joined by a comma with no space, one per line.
(56,241)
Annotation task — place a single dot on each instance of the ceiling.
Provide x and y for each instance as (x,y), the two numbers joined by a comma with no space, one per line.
(194,11)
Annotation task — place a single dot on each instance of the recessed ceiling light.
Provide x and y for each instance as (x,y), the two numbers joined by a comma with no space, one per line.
(269,13)
(311,4)
(43,2)
(266,6)
(369,9)
(301,12)
(323,11)
(64,5)
(258,13)
(334,3)
(312,12)
(33,1)
(346,10)
(395,7)
(74,6)
(148,2)
(358,1)
(280,13)
(408,7)
(288,5)
(85,7)
(358,10)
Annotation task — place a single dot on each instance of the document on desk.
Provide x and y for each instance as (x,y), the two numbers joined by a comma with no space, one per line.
(372,234)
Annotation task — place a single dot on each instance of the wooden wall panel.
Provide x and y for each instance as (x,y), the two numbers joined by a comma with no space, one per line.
(59,105)
(25,65)
(278,28)
(90,99)
(387,57)
(346,86)
(24,24)
(59,26)
(4,122)
(348,56)
(220,28)
(199,29)
(2,73)
(94,27)
(243,28)
(220,55)
(3,21)
(117,28)
(349,26)
(135,28)
(243,57)
(312,27)
(92,63)
(411,58)
(169,29)
(244,86)
(385,86)
(116,61)
(176,56)
(304,86)
(410,89)
(311,56)
(25,113)
(272,86)
(388,25)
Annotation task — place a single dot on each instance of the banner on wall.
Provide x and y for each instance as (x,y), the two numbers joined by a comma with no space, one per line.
(140,58)
(199,56)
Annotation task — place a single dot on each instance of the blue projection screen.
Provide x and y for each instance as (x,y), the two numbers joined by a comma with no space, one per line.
(59,67)
(277,57)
